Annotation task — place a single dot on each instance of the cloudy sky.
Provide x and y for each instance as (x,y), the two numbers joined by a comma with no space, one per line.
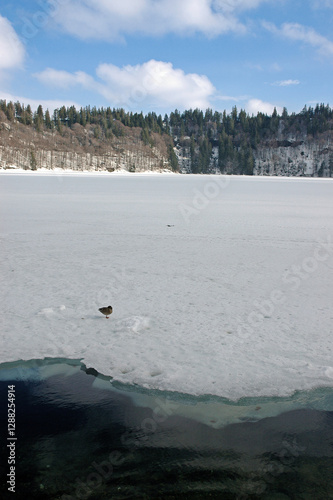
(159,55)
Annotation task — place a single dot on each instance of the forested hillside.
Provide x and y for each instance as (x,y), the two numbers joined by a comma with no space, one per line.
(190,142)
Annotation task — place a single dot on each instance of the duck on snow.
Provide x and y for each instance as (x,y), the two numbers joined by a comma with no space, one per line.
(106,310)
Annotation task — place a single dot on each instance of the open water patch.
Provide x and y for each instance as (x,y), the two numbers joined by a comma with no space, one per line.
(81,437)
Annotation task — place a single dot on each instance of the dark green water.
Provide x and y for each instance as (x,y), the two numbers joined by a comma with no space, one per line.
(77,439)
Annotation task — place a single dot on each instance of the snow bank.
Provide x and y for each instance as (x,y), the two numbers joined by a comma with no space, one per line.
(13,169)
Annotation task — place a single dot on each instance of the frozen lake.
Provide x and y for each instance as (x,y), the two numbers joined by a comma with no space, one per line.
(219,286)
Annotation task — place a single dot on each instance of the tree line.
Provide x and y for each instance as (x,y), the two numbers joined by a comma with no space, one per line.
(235,134)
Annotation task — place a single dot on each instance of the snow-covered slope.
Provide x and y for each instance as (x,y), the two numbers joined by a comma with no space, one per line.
(219,285)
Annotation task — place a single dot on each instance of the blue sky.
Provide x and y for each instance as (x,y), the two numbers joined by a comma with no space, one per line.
(159,55)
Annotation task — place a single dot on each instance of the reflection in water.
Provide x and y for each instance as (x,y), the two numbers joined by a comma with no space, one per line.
(79,440)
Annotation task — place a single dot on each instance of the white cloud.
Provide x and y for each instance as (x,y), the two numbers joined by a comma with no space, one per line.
(307,35)
(255,106)
(64,79)
(286,83)
(296,31)
(11,48)
(154,84)
(111,20)
(157,82)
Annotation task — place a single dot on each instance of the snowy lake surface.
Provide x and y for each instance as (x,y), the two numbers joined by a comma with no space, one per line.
(219,285)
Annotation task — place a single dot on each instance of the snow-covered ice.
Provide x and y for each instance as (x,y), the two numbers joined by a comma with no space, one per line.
(218,285)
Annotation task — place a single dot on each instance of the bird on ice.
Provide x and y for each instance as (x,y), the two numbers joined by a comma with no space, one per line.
(106,310)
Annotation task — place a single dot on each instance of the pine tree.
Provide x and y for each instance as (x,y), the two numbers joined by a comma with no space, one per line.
(63,115)
(39,118)
(3,105)
(145,136)
(18,111)
(28,115)
(23,118)
(72,116)
(10,111)
(82,117)
(48,122)
(173,160)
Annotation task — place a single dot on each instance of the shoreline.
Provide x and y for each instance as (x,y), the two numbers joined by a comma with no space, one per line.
(212,410)
(126,173)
